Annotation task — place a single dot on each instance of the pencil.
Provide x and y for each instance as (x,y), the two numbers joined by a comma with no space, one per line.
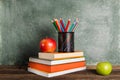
(76,24)
(61,28)
(75,27)
(72,26)
(68,23)
(57,24)
(62,23)
(54,24)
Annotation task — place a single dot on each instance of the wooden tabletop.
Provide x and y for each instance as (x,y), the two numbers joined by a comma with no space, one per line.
(21,73)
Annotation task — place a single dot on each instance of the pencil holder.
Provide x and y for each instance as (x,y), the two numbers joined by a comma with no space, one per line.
(66,42)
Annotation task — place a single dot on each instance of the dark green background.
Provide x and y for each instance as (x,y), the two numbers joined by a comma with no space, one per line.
(23,23)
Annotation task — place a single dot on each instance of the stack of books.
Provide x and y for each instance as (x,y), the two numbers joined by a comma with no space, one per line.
(55,64)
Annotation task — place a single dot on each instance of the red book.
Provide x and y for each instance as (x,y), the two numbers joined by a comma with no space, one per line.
(56,68)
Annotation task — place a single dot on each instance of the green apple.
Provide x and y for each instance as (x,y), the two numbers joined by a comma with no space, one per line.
(104,68)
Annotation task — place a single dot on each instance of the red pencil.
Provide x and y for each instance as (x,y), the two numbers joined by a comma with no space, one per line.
(67,26)
(61,22)
(57,23)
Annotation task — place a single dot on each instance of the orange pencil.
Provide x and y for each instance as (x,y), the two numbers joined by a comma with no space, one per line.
(58,25)
(68,23)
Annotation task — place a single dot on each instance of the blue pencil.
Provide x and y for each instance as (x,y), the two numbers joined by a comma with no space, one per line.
(61,28)
(75,25)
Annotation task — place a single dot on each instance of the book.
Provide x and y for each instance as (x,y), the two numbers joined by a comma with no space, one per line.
(45,74)
(58,56)
(56,68)
(55,62)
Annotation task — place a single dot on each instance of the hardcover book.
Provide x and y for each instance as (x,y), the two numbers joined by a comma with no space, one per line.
(58,56)
(55,62)
(45,74)
(56,68)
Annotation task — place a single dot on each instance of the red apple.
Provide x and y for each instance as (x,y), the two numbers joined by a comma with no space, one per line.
(48,45)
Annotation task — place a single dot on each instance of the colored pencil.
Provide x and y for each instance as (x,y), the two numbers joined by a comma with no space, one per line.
(75,25)
(57,24)
(54,24)
(67,26)
(62,23)
(72,26)
(61,28)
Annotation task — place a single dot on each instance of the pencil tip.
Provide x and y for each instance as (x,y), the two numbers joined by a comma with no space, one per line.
(77,19)
(69,19)
(55,19)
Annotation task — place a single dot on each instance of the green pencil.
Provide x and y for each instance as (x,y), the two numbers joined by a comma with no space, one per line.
(73,26)
(70,28)
(54,24)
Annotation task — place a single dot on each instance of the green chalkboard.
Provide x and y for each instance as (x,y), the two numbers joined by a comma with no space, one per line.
(23,23)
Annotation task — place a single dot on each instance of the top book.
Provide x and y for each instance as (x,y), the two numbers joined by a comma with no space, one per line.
(59,56)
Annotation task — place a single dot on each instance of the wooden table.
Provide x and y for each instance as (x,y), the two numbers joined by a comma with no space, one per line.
(20,73)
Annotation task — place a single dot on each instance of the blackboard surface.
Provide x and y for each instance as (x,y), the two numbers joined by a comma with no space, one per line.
(23,23)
